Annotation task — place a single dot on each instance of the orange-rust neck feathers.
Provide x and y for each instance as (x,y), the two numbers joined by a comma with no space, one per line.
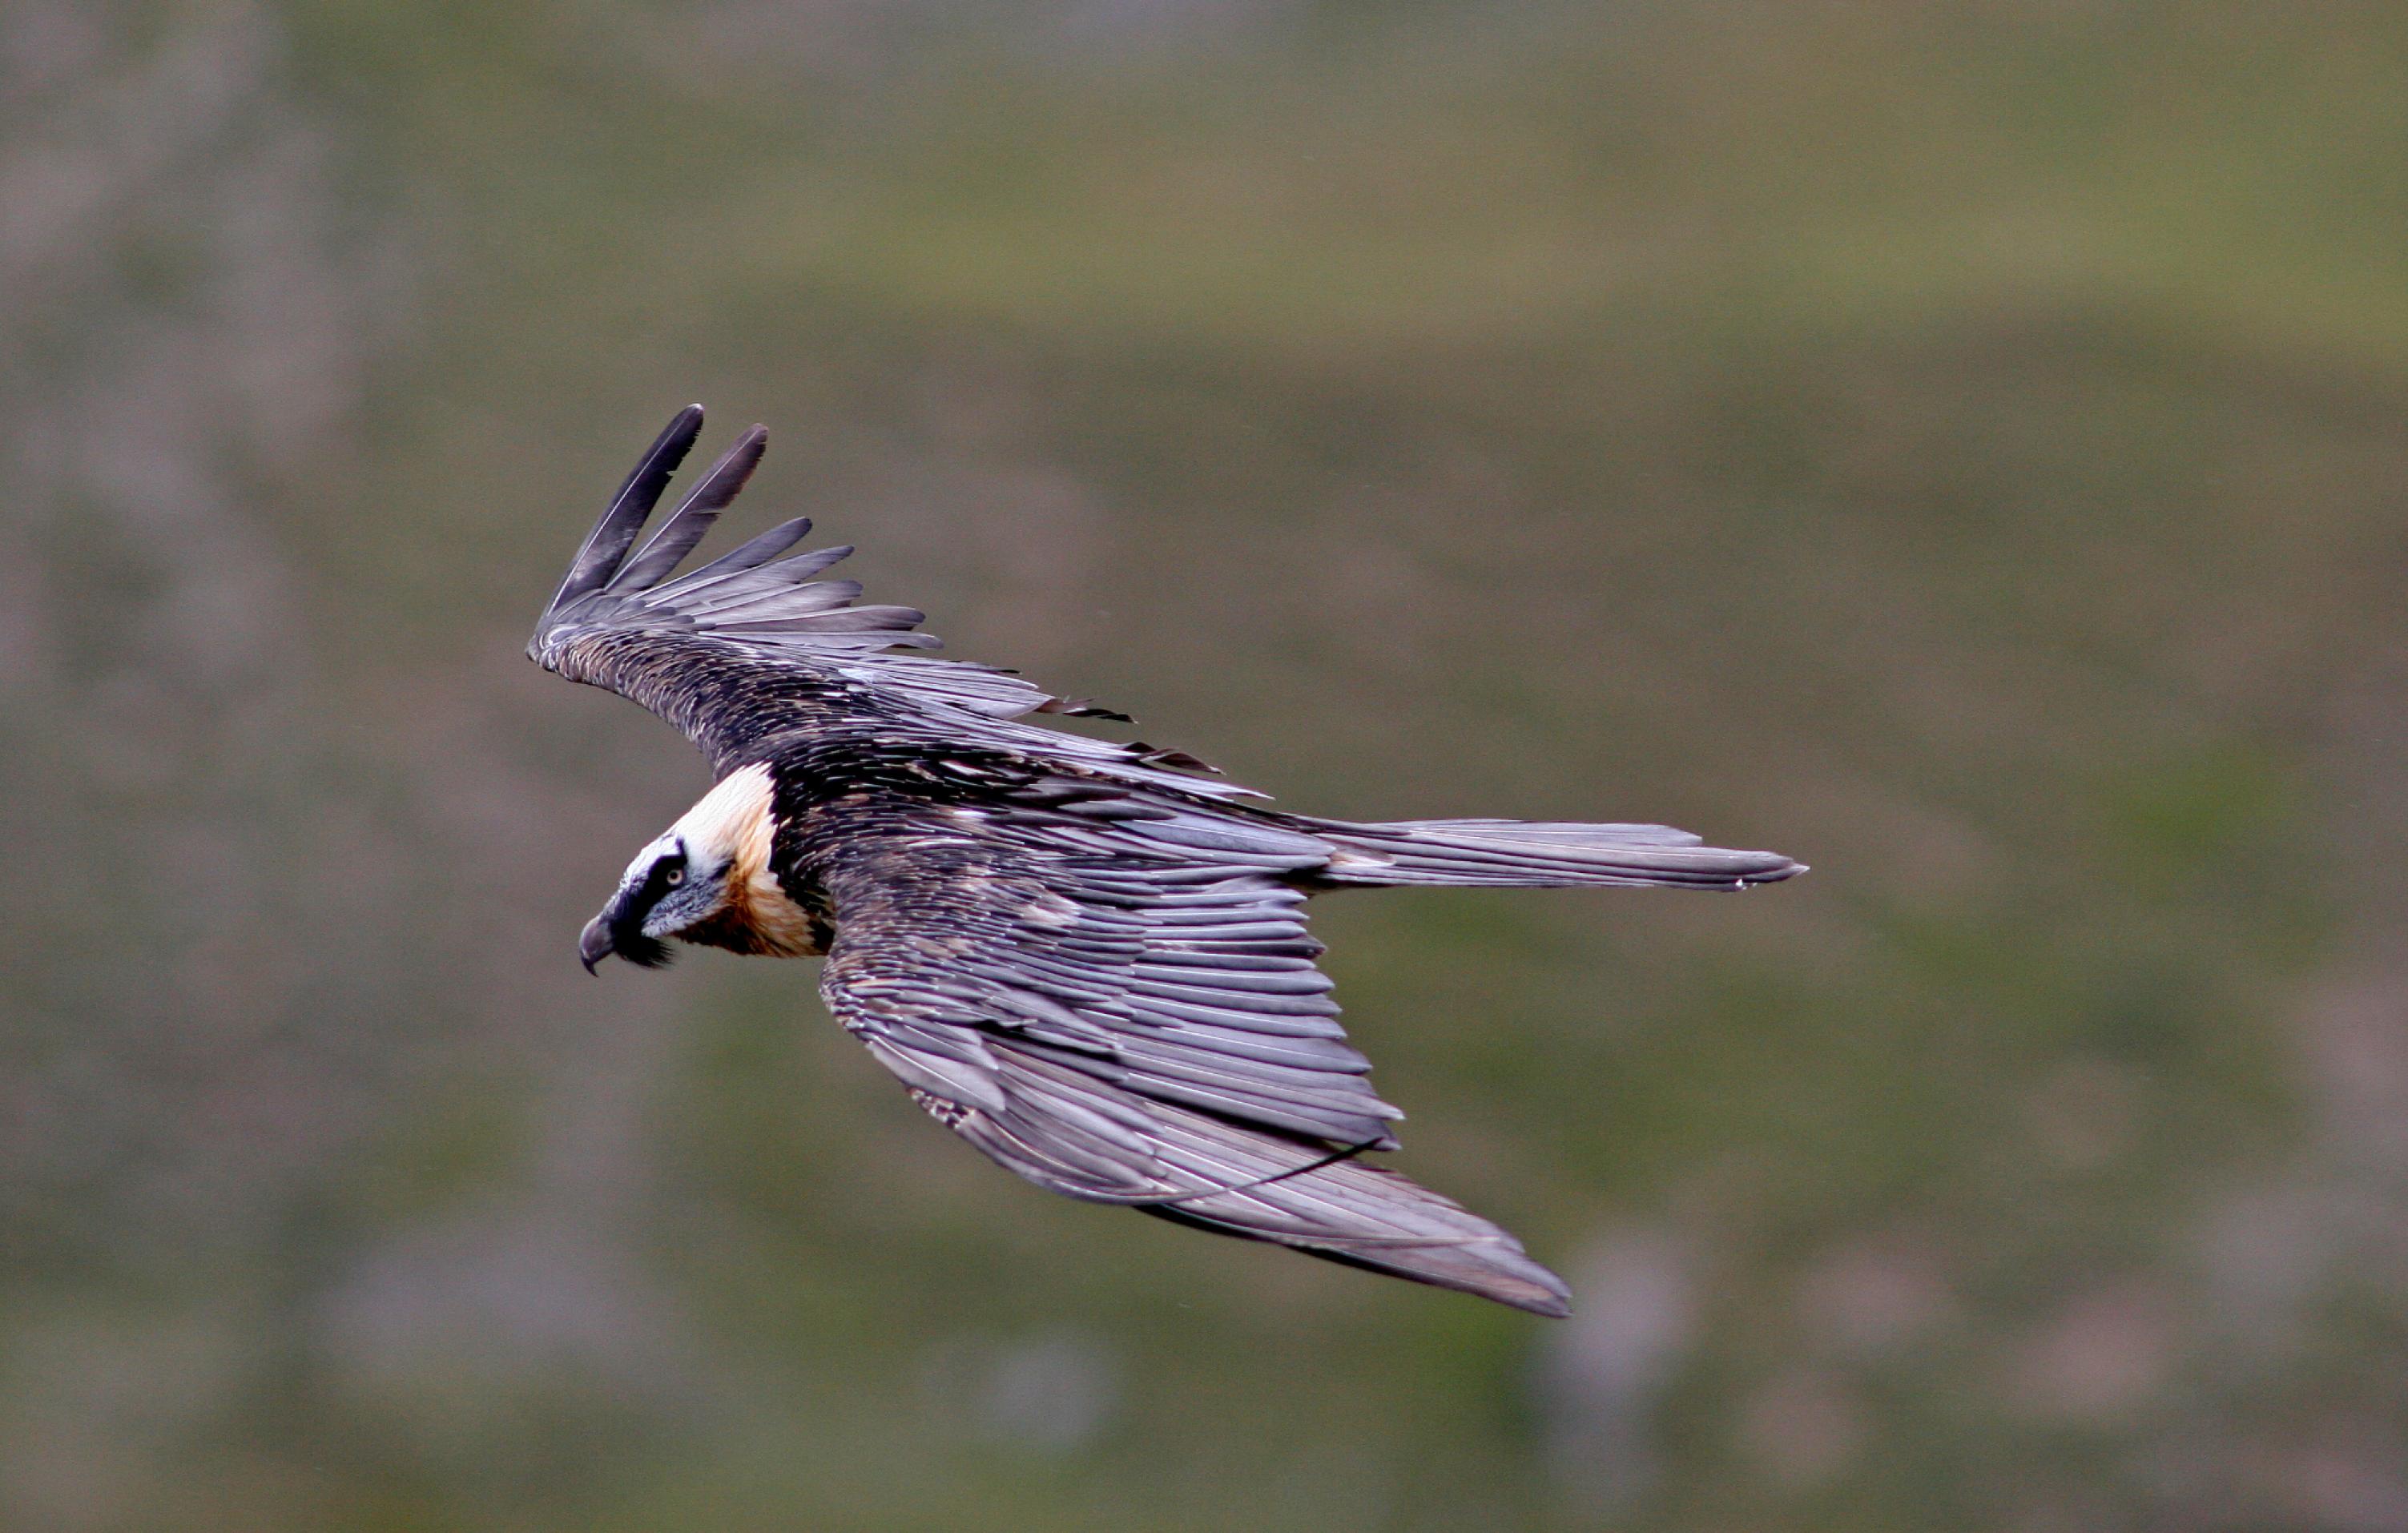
(734,822)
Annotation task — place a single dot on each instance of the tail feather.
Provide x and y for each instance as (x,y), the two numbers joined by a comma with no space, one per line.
(1537,854)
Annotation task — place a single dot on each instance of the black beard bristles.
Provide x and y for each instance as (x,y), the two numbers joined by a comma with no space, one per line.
(644,951)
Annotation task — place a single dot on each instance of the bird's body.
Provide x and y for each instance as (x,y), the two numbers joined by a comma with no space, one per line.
(1081,955)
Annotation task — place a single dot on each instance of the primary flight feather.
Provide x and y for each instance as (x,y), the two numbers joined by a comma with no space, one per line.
(1081,955)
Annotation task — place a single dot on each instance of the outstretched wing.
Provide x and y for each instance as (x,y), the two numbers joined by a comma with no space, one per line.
(1114,996)
(754,644)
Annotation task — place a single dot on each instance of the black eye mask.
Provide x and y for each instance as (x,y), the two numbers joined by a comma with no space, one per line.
(627,932)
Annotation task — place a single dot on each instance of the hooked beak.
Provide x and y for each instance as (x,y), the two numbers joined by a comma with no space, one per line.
(594,943)
(619,932)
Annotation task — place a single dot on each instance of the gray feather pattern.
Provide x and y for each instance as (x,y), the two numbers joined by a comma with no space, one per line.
(1077,954)
(597,558)
(693,516)
(745,556)
(718,652)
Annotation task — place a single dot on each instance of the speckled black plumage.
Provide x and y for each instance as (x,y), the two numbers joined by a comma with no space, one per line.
(1081,955)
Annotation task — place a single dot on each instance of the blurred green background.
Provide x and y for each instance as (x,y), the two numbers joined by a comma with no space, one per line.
(1964,447)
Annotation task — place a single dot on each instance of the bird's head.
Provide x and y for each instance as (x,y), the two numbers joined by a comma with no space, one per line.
(703,880)
(676,883)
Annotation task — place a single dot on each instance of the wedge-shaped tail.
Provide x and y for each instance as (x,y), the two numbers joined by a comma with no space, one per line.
(1529,853)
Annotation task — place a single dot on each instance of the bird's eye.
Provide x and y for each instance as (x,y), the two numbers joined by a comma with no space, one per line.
(674,876)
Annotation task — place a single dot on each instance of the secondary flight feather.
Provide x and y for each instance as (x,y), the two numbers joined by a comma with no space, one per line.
(1085,957)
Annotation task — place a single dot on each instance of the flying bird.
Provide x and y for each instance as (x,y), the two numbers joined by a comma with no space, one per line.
(1087,958)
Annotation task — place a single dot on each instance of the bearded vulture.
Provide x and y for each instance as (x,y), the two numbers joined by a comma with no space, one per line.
(1086,958)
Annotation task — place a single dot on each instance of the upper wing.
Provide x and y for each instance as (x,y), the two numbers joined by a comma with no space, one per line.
(1115,996)
(752,645)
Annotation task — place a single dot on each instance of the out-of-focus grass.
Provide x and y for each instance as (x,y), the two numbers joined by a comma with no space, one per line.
(1448,185)
(1960,448)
